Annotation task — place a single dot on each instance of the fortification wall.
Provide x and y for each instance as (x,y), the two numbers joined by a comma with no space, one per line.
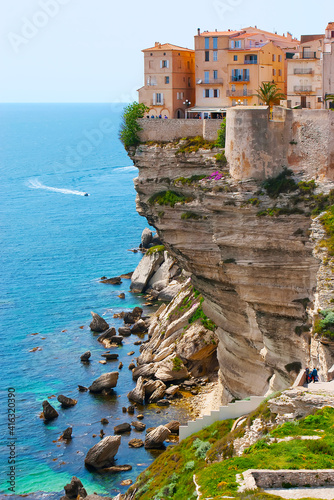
(300,139)
(171,130)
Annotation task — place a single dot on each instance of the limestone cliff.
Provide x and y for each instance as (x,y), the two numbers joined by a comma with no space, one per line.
(259,275)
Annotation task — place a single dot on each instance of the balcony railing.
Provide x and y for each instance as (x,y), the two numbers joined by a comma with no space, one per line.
(305,88)
(239,93)
(303,71)
(308,55)
(240,78)
(156,103)
(210,81)
(250,61)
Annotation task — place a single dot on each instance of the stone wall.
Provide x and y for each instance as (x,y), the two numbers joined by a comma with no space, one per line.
(171,130)
(300,139)
(265,478)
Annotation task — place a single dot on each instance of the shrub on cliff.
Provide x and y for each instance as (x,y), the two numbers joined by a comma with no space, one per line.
(130,127)
(220,142)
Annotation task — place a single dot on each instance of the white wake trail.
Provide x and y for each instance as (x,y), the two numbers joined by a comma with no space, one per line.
(36,184)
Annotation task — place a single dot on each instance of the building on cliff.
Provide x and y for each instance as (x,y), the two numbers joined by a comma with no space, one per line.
(169,87)
(305,74)
(328,72)
(231,65)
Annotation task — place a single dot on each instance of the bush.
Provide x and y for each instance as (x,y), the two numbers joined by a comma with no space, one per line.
(167,198)
(201,447)
(327,221)
(283,183)
(177,364)
(324,324)
(221,158)
(155,249)
(199,314)
(220,142)
(193,144)
(130,127)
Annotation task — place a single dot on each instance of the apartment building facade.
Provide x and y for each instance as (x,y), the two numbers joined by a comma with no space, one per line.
(231,65)
(169,88)
(328,63)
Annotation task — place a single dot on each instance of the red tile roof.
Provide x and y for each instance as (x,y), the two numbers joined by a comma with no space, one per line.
(220,33)
(167,46)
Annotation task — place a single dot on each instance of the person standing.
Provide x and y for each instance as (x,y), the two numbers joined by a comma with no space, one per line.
(314,375)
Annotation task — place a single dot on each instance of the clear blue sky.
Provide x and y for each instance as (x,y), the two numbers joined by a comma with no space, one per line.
(90,50)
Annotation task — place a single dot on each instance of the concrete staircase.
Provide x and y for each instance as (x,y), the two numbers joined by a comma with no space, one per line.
(231,411)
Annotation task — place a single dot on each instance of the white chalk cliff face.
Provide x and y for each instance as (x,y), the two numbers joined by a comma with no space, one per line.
(258,274)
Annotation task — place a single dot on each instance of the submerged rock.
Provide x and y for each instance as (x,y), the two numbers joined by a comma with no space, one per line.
(66,402)
(111,281)
(102,454)
(49,412)
(118,468)
(98,324)
(106,381)
(136,443)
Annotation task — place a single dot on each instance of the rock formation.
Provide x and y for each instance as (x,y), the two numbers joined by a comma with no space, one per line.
(66,402)
(106,381)
(98,324)
(102,454)
(156,438)
(74,489)
(49,412)
(258,274)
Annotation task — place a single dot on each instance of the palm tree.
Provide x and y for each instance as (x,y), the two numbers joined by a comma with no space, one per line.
(269,93)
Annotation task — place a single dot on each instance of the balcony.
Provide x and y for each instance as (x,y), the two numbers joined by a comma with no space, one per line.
(239,78)
(155,103)
(308,55)
(303,71)
(239,93)
(250,61)
(305,88)
(211,81)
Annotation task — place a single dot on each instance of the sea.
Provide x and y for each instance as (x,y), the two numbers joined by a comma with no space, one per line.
(56,244)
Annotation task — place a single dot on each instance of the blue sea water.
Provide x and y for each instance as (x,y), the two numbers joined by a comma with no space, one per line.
(55,245)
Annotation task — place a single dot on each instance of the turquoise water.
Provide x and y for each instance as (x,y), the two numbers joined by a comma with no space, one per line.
(55,245)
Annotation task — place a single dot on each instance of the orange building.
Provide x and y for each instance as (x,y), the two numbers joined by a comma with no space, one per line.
(169,88)
(231,65)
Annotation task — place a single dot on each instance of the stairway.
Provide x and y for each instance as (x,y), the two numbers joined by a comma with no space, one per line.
(231,411)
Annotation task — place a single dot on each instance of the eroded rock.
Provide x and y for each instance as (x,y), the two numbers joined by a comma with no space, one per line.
(138,393)
(106,381)
(102,454)
(98,324)
(49,412)
(156,438)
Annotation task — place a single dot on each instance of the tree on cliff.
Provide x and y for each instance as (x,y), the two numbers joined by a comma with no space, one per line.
(130,127)
(269,93)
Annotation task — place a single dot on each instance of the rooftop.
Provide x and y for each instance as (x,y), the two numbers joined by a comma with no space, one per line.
(167,46)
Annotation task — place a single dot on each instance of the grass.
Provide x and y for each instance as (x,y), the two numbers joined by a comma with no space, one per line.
(193,144)
(199,314)
(176,466)
(189,180)
(276,211)
(155,249)
(168,198)
(221,158)
(327,220)
(177,364)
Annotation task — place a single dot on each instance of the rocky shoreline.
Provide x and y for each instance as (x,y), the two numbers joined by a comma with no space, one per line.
(177,363)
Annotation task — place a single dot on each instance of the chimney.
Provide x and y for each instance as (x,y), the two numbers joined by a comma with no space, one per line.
(216,30)
(157,44)
(199,31)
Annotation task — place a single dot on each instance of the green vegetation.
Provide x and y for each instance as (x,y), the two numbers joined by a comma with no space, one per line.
(157,248)
(276,212)
(324,324)
(193,144)
(220,142)
(191,215)
(198,454)
(130,127)
(177,364)
(199,314)
(253,201)
(221,158)
(189,180)
(327,220)
(283,183)
(230,261)
(269,93)
(168,198)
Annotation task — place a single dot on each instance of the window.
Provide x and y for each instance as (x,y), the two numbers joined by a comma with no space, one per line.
(188,64)
(164,64)
(189,81)
(215,55)
(233,88)
(207,55)
(215,92)
(274,57)
(179,95)
(319,99)
(167,80)
(206,93)
(215,42)
(232,44)
(238,44)
(279,72)
(160,99)
(274,72)
(289,103)
(279,58)
(207,43)
(235,58)
(206,76)
(215,74)
(240,75)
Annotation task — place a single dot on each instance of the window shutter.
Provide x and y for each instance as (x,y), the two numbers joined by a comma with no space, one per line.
(204,93)
(218,92)
(162,99)
(167,64)
(154,98)
(160,64)
(211,93)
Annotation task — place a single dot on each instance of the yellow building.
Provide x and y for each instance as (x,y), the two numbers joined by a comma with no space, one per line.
(169,88)
(231,65)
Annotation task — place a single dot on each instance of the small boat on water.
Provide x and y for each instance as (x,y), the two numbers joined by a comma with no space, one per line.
(86,194)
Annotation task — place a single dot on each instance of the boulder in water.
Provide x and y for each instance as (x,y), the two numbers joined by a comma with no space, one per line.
(121,428)
(98,324)
(106,381)
(138,393)
(102,454)
(85,357)
(156,438)
(66,402)
(49,413)
(67,434)
(74,489)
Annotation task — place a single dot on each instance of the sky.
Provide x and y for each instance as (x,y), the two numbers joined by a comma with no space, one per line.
(90,50)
